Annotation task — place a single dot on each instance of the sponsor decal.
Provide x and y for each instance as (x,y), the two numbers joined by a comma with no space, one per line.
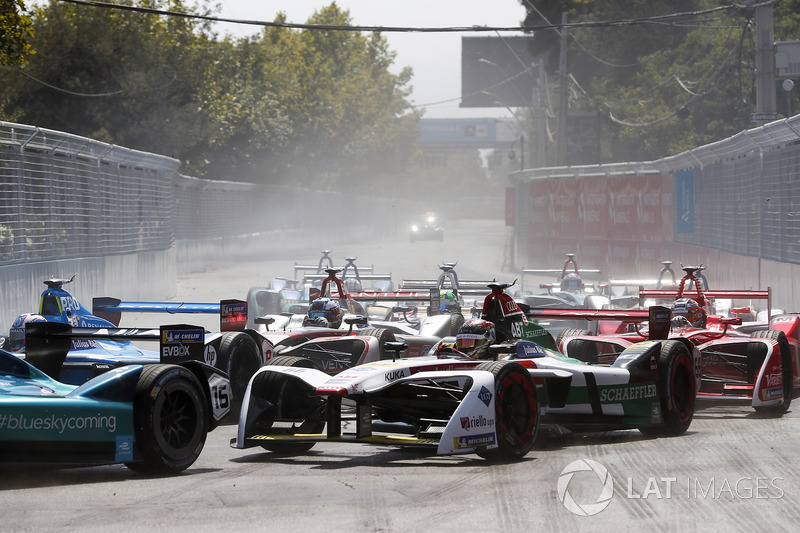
(175,351)
(395,374)
(332,364)
(529,349)
(771,394)
(774,380)
(210,356)
(84,344)
(124,449)
(233,315)
(473,422)
(473,441)
(59,423)
(485,395)
(69,303)
(628,392)
(174,336)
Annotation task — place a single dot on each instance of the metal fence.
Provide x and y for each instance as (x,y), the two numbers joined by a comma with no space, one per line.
(63,196)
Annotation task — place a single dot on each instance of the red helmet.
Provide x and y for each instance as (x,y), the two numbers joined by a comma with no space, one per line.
(690,310)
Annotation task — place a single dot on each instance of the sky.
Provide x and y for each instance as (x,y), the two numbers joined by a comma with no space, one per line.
(435,58)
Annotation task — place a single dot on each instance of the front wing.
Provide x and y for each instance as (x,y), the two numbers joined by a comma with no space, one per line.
(451,411)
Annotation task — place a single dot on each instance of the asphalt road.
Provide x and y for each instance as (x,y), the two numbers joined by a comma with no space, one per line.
(731,471)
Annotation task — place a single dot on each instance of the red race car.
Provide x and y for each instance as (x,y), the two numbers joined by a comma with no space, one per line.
(755,363)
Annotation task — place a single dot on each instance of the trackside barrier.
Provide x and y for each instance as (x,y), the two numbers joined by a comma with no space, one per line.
(730,205)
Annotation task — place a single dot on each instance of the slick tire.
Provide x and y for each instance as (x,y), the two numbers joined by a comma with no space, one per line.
(456,321)
(291,399)
(580,349)
(676,390)
(383,335)
(240,357)
(516,411)
(786,368)
(170,419)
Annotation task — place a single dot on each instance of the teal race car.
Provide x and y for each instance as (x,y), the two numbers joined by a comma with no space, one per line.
(154,418)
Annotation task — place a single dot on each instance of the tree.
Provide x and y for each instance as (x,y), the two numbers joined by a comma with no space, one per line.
(660,88)
(319,107)
(314,107)
(115,76)
(15,33)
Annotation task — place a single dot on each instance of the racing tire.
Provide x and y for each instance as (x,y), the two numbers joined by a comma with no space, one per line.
(383,335)
(291,399)
(240,357)
(676,390)
(456,321)
(581,349)
(170,419)
(516,410)
(786,370)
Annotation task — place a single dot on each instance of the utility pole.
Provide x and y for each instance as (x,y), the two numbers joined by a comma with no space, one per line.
(561,130)
(765,66)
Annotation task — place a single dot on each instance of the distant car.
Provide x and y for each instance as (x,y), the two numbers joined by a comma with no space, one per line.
(428,227)
(153,418)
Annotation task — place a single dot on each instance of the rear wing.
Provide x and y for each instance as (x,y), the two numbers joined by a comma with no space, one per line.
(397,296)
(367,269)
(624,315)
(594,273)
(672,294)
(47,343)
(232,313)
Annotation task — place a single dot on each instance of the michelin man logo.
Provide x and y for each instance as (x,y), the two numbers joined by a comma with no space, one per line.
(586,509)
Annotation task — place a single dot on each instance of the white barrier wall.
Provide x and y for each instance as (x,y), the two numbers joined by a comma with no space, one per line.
(133,277)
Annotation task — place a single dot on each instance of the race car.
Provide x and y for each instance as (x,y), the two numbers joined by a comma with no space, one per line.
(428,227)
(454,403)
(284,295)
(233,351)
(569,291)
(153,418)
(752,364)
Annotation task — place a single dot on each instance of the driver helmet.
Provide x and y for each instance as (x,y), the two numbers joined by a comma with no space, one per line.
(16,336)
(328,309)
(690,310)
(572,282)
(352,285)
(475,337)
(448,301)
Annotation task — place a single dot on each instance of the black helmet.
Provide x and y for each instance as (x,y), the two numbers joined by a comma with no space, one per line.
(475,337)
(326,308)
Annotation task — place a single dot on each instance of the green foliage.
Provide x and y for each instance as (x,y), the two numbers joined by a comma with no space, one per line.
(637,77)
(16,32)
(319,108)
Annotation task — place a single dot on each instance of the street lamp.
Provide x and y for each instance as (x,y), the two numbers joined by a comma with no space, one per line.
(512,154)
(788,85)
